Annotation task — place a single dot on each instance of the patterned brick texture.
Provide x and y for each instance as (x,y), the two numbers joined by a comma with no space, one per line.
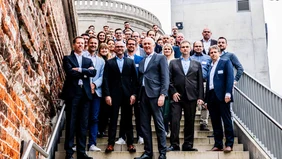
(33,40)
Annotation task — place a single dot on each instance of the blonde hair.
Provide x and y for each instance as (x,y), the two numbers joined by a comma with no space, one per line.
(171,56)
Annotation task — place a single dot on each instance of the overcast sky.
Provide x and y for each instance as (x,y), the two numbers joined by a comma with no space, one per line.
(273,17)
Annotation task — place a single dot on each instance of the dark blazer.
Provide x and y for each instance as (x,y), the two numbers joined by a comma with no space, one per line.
(156,76)
(115,82)
(213,42)
(223,80)
(192,83)
(72,77)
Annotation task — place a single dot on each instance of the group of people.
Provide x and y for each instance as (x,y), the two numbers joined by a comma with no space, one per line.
(118,72)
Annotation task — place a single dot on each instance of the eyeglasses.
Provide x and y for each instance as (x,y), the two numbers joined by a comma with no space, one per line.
(197,46)
(130,44)
(206,31)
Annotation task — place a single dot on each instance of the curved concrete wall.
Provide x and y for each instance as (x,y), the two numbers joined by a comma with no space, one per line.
(114,14)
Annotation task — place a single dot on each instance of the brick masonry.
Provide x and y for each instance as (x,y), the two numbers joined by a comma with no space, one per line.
(33,39)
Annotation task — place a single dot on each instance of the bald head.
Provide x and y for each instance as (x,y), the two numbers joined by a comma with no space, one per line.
(198,47)
(206,34)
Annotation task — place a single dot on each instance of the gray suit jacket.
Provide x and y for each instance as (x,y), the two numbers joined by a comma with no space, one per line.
(156,76)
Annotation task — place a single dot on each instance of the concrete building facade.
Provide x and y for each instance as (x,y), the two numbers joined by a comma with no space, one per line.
(114,14)
(241,22)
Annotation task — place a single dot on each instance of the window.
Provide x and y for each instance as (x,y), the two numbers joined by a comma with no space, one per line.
(243,5)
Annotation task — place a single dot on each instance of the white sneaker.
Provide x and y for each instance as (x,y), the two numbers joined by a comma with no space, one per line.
(168,134)
(140,140)
(120,141)
(74,148)
(94,148)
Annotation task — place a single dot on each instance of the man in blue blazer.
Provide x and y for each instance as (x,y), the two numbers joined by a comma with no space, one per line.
(77,94)
(218,96)
(96,90)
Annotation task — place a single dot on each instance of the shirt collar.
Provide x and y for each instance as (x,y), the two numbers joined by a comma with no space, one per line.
(222,53)
(77,55)
(119,58)
(207,41)
(149,56)
(212,64)
(182,59)
(201,54)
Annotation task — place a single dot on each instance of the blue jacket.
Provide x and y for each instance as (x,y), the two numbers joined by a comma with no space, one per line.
(137,60)
(235,62)
(223,80)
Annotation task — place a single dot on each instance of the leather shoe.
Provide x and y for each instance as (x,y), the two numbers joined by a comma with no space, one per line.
(190,149)
(173,148)
(143,156)
(109,149)
(83,156)
(227,149)
(162,156)
(216,149)
(69,157)
(204,127)
(131,148)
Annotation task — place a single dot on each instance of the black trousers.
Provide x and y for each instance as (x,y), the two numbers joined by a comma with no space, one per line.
(77,112)
(104,115)
(220,110)
(137,122)
(149,107)
(189,108)
(126,119)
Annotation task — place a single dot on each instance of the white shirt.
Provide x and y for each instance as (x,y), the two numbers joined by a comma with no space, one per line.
(207,44)
(213,65)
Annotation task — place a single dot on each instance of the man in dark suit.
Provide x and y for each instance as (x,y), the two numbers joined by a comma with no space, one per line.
(77,94)
(120,80)
(186,87)
(130,52)
(154,83)
(207,40)
(219,95)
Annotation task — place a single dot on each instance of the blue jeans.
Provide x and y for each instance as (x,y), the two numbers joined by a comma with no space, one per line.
(93,119)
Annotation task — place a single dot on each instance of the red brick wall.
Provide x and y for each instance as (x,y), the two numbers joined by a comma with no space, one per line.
(33,40)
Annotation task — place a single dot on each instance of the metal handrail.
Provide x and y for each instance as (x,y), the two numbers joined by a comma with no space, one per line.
(266,87)
(259,109)
(32,144)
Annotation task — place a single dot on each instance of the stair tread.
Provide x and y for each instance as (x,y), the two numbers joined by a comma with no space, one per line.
(170,155)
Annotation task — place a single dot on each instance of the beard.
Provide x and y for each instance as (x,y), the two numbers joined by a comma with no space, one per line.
(222,49)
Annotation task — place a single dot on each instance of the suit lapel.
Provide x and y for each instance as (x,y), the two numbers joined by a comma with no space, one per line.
(180,66)
(115,64)
(124,64)
(190,67)
(73,59)
(151,61)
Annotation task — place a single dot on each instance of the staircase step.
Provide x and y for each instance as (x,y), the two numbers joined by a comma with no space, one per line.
(196,127)
(140,148)
(181,133)
(170,155)
(197,140)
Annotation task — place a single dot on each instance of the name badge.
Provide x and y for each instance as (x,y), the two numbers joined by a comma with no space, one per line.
(220,71)
(204,62)
(136,65)
(85,76)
